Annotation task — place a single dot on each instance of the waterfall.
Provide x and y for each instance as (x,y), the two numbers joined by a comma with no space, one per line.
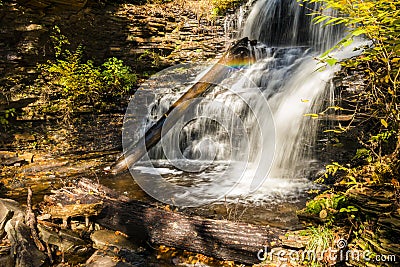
(287,23)
(256,117)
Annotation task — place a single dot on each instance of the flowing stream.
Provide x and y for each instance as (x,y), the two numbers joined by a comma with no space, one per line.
(249,140)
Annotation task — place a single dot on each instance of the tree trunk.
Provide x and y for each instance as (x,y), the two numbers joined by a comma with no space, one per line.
(221,239)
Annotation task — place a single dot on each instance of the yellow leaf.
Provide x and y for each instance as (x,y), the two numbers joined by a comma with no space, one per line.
(312,115)
(305,100)
(323,214)
(384,123)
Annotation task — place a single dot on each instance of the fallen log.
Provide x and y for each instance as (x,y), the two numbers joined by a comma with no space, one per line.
(221,239)
(238,52)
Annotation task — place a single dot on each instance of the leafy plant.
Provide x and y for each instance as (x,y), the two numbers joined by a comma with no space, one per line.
(377,21)
(220,7)
(377,106)
(71,84)
(59,41)
(5,115)
(152,56)
(117,77)
(321,240)
(326,205)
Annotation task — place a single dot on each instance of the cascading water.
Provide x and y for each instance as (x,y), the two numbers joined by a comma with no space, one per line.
(278,138)
(287,23)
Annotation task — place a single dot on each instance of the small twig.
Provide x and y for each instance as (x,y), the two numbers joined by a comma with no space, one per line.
(31,221)
(49,253)
(55,191)
(49,224)
(67,191)
(97,177)
(350,232)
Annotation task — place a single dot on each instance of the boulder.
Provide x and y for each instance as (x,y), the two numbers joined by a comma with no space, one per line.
(65,240)
(116,244)
(101,259)
(106,239)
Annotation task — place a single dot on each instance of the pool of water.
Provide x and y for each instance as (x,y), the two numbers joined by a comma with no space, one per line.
(274,203)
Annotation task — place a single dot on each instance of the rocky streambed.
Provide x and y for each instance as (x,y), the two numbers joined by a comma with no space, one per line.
(87,224)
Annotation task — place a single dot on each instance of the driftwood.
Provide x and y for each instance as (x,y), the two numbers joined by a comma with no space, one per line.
(22,251)
(237,52)
(220,239)
(69,205)
(30,219)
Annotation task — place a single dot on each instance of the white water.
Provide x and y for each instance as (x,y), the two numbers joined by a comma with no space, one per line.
(236,137)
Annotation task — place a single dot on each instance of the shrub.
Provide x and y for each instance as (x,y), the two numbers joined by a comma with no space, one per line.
(5,116)
(377,21)
(70,84)
(221,6)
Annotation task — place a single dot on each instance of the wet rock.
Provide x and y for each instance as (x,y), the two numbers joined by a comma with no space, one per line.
(101,259)
(294,240)
(24,137)
(15,161)
(65,240)
(116,244)
(17,104)
(72,247)
(106,239)
(74,4)
(30,27)
(7,155)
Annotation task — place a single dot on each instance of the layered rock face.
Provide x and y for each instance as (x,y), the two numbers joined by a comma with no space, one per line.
(147,37)
(156,34)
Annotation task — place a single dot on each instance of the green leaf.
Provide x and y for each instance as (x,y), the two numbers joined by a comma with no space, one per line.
(335,21)
(331,61)
(347,42)
(359,32)
(320,19)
